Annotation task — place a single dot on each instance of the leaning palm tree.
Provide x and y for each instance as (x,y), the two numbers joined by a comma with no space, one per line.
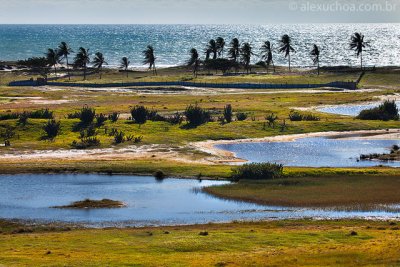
(220,42)
(149,58)
(125,65)
(286,46)
(357,44)
(98,62)
(194,61)
(64,51)
(315,55)
(246,51)
(82,59)
(52,59)
(266,50)
(234,49)
(212,48)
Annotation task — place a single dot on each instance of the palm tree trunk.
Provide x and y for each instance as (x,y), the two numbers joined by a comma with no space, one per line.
(69,75)
(55,70)
(289,62)
(318,66)
(361,61)
(84,73)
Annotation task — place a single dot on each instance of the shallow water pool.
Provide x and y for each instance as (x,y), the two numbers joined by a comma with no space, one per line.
(350,110)
(171,202)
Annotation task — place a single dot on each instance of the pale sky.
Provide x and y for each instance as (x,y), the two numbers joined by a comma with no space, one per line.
(197,11)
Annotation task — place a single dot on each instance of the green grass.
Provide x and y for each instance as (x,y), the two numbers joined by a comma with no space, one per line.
(283,243)
(352,191)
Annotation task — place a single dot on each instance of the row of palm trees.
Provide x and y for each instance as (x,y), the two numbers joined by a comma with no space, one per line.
(238,53)
(242,53)
(82,59)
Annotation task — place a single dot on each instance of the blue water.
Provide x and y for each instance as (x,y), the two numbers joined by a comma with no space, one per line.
(172,42)
(314,152)
(350,110)
(171,202)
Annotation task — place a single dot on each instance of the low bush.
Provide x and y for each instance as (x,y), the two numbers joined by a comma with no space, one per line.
(87,115)
(386,111)
(113,117)
(23,118)
(41,114)
(257,171)
(100,120)
(241,116)
(228,114)
(297,116)
(88,132)
(271,118)
(9,116)
(196,116)
(52,128)
(119,137)
(140,114)
(86,142)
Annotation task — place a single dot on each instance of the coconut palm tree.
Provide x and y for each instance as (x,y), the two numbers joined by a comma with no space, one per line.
(212,48)
(149,58)
(357,44)
(246,51)
(98,62)
(53,59)
(286,47)
(82,59)
(234,49)
(266,50)
(315,55)
(125,65)
(194,61)
(220,42)
(63,52)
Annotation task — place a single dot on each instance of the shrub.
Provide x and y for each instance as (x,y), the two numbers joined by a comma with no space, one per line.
(297,116)
(228,113)
(100,119)
(9,116)
(86,142)
(140,114)
(196,116)
(271,118)
(386,111)
(119,137)
(241,116)
(113,117)
(23,118)
(159,175)
(52,128)
(88,132)
(41,114)
(177,118)
(257,171)
(87,115)
(7,133)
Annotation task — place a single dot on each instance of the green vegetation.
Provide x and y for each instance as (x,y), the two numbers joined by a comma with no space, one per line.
(386,111)
(280,243)
(337,191)
(257,171)
(297,116)
(93,204)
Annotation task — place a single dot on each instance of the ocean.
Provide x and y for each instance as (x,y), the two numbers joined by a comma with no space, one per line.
(173,42)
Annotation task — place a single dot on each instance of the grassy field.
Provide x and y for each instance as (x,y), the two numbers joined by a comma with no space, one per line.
(352,191)
(283,243)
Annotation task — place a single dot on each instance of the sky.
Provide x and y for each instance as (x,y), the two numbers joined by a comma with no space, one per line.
(197,11)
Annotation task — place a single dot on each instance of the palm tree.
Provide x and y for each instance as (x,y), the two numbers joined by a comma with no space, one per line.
(286,46)
(98,62)
(315,55)
(150,59)
(82,59)
(266,50)
(64,51)
(234,49)
(246,51)
(212,48)
(220,42)
(125,65)
(52,59)
(194,61)
(357,44)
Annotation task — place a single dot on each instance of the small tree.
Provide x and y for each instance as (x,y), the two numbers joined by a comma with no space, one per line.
(139,114)
(87,115)
(52,128)
(228,113)
(196,116)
